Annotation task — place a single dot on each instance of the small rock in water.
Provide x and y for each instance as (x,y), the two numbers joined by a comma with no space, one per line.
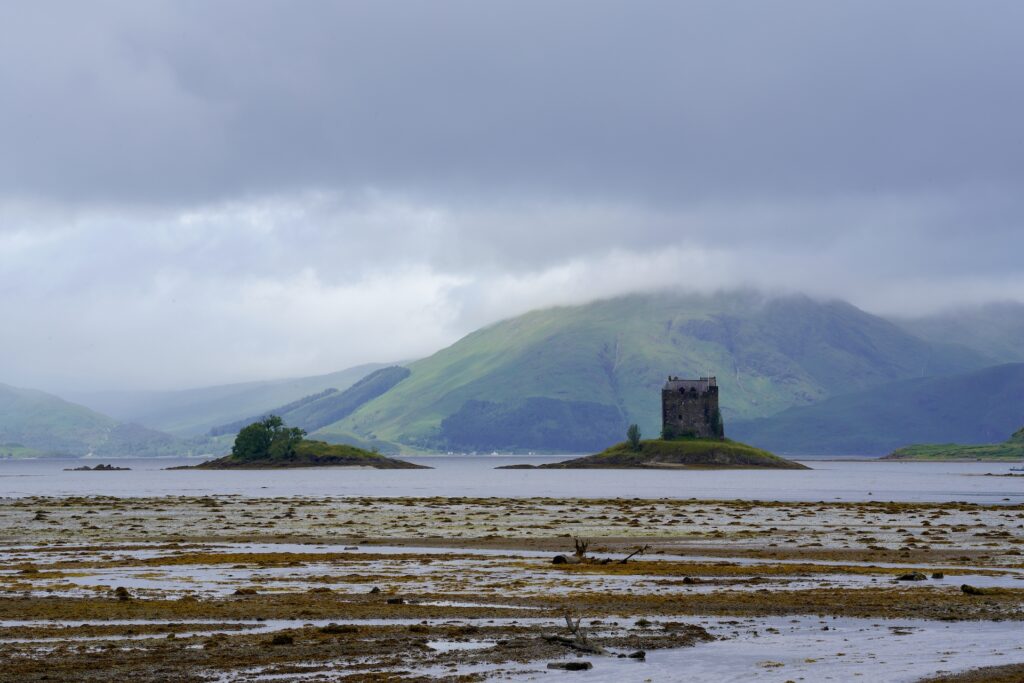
(912,576)
(938,575)
(639,654)
(375,590)
(571,666)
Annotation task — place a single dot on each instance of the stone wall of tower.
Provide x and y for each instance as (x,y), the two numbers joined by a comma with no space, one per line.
(688,412)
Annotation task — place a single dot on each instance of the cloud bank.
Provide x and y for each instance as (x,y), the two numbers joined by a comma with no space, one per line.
(194,193)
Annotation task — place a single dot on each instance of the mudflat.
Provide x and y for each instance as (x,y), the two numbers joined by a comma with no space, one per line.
(236,588)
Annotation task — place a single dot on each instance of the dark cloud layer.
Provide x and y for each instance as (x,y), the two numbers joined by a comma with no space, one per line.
(167,168)
(199,101)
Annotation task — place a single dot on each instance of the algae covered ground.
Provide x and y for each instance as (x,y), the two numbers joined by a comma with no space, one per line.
(296,588)
(680,454)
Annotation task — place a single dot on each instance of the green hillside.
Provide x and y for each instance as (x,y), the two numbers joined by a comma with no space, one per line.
(996,329)
(1010,450)
(978,407)
(192,412)
(318,410)
(609,358)
(43,424)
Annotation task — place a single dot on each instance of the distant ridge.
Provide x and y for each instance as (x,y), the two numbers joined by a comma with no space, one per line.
(571,378)
(193,412)
(34,423)
(283,411)
(977,407)
(996,329)
(330,405)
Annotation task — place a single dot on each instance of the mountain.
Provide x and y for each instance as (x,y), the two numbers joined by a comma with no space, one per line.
(318,410)
(995,329)
(977,407)
(192,412)
(595,368)
(36,423)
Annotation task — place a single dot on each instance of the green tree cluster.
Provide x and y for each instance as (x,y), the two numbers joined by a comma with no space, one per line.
(268,438)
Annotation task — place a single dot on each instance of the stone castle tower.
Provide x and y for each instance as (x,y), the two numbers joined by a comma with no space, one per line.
(689,407)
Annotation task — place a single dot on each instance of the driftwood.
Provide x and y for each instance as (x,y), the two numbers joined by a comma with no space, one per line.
(579,555)
(578,640)
(639,551)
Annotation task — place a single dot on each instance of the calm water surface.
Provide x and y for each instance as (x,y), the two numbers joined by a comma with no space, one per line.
(475,476)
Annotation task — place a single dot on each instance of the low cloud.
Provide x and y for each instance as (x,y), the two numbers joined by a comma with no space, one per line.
(196,192)
(313,282)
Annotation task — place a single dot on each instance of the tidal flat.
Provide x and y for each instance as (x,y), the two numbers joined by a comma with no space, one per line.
(316,588)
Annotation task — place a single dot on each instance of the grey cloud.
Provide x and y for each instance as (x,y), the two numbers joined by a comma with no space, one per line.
(171,171)
(682,102)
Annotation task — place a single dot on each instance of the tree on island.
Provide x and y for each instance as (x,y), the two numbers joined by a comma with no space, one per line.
(717,428)
(633,437)
(268,438)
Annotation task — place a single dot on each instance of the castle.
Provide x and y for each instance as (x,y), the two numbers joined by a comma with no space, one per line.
(689,407)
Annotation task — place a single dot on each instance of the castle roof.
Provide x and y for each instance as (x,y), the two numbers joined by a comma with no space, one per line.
(700,385)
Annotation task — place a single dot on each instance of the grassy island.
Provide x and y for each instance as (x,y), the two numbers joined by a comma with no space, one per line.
(1011,450)
(269,444)
(680,454)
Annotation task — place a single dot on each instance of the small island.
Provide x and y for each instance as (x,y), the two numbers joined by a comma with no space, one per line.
(693,437)
(1011,450)
(98,468)
(270,444)
(680,454)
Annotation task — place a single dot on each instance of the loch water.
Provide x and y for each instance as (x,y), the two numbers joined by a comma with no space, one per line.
(476,476)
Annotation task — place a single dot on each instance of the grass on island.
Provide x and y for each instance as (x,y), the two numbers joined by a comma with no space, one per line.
(1011,450)
(682,453)
(309,453)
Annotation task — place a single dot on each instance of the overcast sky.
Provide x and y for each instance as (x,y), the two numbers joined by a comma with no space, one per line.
(202,192)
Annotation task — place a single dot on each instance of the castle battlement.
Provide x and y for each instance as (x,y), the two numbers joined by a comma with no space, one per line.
(701,386)
(689,407)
